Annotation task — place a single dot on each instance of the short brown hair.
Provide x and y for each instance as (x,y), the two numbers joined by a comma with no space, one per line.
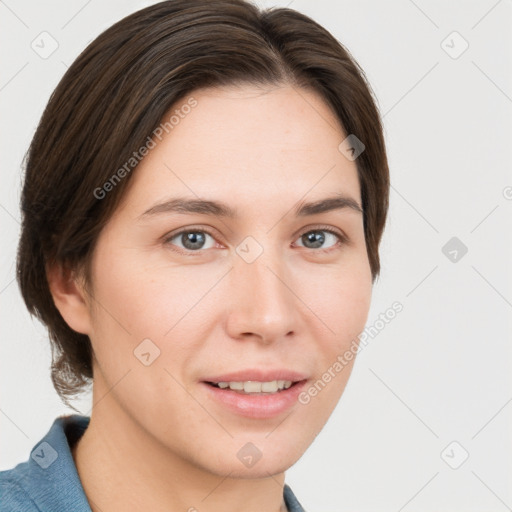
(115,95)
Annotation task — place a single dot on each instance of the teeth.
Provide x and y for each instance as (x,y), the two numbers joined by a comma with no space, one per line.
(253,386)
(268,387)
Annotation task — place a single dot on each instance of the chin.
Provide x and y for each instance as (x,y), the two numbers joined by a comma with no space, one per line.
(257,459)
(261,469)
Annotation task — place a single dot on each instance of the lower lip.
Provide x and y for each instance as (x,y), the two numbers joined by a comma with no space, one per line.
(256,406)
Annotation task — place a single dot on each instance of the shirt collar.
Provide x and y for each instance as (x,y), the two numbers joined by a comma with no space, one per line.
(50,477)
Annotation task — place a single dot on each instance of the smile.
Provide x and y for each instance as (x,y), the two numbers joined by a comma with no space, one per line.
(254,387)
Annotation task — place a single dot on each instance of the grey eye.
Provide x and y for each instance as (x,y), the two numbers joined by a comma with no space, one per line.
(193,240)
(316,238)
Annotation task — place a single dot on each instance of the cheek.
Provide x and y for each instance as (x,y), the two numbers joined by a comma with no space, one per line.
(351,306)
(339,297)
(343,307)
(138,299)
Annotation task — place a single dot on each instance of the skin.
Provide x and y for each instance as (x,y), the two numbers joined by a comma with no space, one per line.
(155,440)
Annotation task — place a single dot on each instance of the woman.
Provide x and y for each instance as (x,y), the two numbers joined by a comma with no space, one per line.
(202,209)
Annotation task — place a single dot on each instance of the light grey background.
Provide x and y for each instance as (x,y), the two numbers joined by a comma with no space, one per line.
(440,371)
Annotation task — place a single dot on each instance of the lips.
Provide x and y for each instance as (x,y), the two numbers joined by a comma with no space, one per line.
(255,393)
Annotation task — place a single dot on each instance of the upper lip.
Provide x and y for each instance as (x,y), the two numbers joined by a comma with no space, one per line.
(256,374)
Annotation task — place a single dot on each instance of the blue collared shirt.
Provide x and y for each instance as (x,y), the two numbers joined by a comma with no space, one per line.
(48,481)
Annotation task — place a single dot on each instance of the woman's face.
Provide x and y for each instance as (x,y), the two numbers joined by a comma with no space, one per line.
(186,295)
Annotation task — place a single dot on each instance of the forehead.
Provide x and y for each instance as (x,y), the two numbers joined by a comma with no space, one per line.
(250,145)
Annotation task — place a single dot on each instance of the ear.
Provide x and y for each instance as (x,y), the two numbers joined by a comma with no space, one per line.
(69,297)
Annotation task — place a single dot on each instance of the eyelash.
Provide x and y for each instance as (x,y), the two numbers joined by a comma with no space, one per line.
(342,239)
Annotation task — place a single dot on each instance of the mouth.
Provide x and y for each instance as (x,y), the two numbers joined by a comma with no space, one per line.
(257,395)
(254,387)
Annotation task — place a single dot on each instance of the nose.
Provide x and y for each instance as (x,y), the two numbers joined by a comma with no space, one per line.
(262,304)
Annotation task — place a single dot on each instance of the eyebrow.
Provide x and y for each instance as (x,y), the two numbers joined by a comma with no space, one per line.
(219,209)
